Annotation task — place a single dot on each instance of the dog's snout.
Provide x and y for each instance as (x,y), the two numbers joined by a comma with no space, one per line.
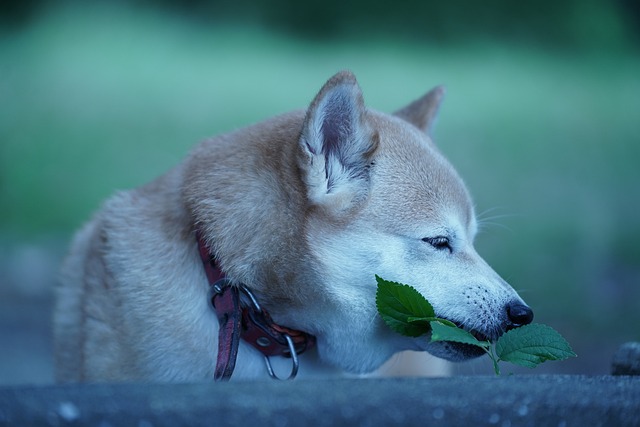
(519,314)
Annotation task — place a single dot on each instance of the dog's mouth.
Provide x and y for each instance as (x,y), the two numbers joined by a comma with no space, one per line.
(457,352)
(477,334)
(480,336)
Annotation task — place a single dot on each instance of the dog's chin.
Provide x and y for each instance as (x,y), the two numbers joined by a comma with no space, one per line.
(454,352)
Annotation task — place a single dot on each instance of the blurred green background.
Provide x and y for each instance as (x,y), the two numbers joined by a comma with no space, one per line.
(542,119)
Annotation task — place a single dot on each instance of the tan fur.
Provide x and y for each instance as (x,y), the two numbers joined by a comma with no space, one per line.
(304,209)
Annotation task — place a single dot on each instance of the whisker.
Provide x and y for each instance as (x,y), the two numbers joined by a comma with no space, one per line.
(370,325)
(484,219)
(483,216)
(488,210)
(484,225)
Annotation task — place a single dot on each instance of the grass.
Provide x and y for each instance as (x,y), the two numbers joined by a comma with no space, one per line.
(107,98)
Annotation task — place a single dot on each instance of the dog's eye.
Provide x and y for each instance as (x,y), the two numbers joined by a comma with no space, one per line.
(439,242)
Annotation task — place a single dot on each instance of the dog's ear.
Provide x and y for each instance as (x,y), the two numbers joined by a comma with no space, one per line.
(337,144)
(423,112)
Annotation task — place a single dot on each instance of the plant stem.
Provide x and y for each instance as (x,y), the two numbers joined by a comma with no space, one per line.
(493,358)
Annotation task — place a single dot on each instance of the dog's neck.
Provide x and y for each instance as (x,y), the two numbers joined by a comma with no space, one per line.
(246,320)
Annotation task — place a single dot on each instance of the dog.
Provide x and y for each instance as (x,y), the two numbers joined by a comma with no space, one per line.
(298,214)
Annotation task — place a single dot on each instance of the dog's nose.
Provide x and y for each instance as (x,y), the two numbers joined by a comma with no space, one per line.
(519,314)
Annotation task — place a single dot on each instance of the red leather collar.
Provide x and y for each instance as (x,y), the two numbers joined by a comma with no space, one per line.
(241,316)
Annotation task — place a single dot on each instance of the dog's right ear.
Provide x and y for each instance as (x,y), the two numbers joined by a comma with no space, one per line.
(336,145)
(422,112)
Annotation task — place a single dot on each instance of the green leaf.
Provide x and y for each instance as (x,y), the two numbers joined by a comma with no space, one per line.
(432,319)
(421,322)
(533,344)
(397,303)
(442,332)
(413,319)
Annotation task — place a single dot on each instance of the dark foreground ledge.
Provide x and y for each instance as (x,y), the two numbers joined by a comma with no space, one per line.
(499,401)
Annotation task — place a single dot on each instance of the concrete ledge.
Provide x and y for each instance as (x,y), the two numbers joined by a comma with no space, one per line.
(501,401)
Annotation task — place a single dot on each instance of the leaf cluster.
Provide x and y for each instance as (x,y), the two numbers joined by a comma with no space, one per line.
(409,313)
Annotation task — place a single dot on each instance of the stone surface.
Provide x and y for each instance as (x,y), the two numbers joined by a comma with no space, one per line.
(501,401)
(626,361)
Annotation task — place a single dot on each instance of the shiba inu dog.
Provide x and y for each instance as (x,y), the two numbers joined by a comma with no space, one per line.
(291,219)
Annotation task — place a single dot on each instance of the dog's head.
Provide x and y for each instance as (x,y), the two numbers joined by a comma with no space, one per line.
(383,200)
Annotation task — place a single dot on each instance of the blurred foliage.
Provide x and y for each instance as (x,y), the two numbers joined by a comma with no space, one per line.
(574,24)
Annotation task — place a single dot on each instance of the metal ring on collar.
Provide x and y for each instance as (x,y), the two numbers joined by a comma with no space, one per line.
(294,359)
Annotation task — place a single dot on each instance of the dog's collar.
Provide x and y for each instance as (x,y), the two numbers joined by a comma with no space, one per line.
(240,316)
